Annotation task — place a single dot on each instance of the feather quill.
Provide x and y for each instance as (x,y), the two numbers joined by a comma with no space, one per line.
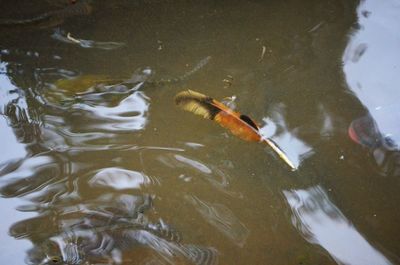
(238,124)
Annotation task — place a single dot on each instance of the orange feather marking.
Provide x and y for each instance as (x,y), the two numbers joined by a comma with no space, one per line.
(239,125)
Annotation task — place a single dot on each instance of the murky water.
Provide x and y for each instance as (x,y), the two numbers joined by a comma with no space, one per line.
(100,167)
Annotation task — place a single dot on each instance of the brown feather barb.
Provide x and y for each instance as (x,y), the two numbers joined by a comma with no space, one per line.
(240,125)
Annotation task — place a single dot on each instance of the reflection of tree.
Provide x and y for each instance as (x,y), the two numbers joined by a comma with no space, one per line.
(15,106)
(66,144)
(73,228)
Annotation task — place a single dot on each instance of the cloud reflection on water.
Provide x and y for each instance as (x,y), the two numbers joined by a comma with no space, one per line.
(371,68)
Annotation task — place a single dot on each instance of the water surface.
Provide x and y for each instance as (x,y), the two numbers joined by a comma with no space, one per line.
(99,167)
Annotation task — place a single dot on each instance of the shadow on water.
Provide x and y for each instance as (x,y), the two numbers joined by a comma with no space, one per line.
(100,168)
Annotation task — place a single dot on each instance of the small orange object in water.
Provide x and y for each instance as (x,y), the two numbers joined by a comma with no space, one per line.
(240,125)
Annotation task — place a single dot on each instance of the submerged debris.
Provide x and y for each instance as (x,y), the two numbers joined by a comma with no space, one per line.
(264,49)
(228,81)
(60,35)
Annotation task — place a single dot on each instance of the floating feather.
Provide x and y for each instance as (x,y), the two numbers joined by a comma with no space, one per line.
(240,125)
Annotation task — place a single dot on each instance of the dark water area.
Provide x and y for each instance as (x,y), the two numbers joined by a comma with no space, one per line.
(98,165)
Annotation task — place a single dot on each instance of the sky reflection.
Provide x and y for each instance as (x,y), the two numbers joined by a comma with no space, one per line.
(14,148)
(294,147)
(321,222)
(119,179)
(372,63)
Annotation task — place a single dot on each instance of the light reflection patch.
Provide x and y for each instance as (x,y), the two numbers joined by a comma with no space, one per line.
(320,222)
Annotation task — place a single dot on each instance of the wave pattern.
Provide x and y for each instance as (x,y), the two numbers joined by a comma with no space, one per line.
(83,171)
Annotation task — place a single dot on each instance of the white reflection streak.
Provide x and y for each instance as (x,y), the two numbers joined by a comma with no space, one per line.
(119,179)
(321,222)
(327,125)
(193,163)
(120,117)
(295,149)
(161,148)
(116,147)
(6,87)
(27,169)
(13,149)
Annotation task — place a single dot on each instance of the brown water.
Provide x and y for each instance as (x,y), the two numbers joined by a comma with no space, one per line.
(116,174)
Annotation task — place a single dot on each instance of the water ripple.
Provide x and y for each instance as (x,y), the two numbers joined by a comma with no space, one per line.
(105,228)
(32,174)
(193,163)
(221,218)
(129,114)
(98,126)
(173,252)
